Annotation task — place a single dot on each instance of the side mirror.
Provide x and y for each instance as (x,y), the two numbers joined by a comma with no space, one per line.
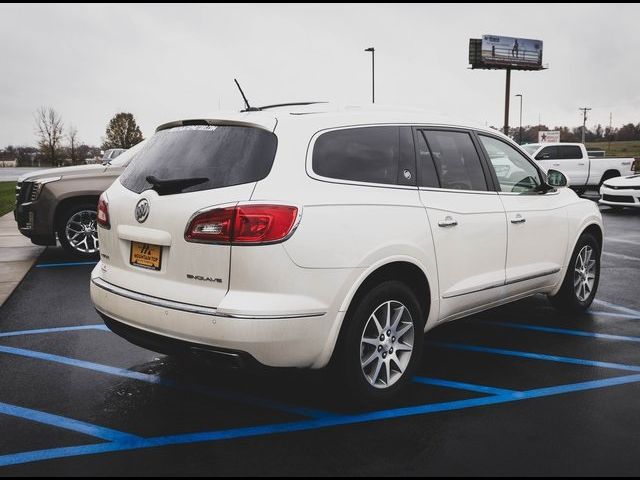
(556,178)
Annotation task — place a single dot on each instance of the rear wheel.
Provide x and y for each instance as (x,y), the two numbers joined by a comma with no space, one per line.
(383,343)
(581,280)
(78,232)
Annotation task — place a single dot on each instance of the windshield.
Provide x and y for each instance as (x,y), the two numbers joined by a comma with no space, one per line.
(530,149)
(222,156)
(125,157)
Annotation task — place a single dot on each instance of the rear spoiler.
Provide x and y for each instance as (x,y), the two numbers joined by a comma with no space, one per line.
(269,124)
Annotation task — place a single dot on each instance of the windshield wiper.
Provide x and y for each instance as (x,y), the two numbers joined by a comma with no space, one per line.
(174,185)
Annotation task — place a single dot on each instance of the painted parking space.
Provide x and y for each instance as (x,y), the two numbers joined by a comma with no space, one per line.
(521,388)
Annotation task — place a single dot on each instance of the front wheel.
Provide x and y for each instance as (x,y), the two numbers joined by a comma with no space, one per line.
(581,280)
(383,343)
(77,231)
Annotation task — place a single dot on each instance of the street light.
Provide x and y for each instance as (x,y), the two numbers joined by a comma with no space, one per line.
(520,135)
(373,73)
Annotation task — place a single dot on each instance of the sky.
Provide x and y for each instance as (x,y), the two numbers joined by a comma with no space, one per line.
(165,62)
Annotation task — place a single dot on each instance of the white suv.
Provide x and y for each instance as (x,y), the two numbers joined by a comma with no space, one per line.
(296,237)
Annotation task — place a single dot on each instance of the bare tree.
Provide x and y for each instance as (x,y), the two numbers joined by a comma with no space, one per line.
(49,130)
(72,136)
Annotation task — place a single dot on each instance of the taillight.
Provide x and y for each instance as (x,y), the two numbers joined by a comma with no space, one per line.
(103,212)
(243,224)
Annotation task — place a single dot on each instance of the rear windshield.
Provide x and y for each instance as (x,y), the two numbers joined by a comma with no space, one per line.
(225,155)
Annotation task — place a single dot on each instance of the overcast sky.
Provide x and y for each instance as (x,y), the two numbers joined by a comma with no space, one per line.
(166,62)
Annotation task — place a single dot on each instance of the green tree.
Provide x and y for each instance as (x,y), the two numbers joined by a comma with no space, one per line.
(122,132)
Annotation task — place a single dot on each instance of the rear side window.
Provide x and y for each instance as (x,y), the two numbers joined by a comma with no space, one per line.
(570,152)
(223,155)
(366,154)
(456,160)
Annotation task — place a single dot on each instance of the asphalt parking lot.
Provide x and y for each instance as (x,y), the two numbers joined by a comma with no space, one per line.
(518,390)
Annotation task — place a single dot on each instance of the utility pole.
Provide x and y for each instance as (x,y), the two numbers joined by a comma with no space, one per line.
(507,89)
(520,130)
(584,120)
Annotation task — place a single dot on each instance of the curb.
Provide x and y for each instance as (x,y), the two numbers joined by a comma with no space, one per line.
(17,256)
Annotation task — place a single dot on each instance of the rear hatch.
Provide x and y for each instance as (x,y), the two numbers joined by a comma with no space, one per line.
(181,171)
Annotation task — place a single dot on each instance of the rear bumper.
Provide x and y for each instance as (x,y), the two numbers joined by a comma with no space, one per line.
(282,341)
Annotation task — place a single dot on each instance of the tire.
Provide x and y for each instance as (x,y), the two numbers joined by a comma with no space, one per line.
(75,218)
(580,191)
(577,298)
(360,381)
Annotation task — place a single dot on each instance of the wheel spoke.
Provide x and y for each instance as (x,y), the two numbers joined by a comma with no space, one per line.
(404,330)
(397,317)
(370,341)
(376,322)
(371,358)
(376,373)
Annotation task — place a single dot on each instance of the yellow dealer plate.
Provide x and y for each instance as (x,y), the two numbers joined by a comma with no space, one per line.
(146,255)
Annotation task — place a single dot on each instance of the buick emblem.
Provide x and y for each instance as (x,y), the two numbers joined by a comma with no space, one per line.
(142,210)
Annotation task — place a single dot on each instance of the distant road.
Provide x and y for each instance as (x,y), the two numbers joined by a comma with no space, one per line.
(10,174)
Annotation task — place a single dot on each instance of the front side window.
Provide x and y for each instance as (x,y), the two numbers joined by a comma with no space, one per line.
(366,154)
(514,171)
(548,153)
(456,160)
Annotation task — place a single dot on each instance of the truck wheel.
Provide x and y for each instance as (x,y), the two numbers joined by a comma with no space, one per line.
(383,343)
(580,283)
(77,230)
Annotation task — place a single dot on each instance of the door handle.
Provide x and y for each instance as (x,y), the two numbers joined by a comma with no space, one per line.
(581,164)
(448,222)
(556,164)
(519,219)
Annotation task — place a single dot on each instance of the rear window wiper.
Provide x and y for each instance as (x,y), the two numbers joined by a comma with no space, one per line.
(174,185)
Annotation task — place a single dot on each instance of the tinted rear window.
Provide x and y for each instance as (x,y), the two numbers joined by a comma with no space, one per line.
(366,154)
(225,155)
(570,152)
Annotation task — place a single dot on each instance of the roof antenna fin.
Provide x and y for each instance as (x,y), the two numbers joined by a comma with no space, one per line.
(246,102)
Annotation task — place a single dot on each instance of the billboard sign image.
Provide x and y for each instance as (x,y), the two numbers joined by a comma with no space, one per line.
(501,52)
(549,136)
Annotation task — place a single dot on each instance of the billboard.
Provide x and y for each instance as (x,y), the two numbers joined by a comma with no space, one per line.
(549,136)
(495,51)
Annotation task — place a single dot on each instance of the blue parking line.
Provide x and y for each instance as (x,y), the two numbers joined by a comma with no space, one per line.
(621,308)
(65,423)
(53,330)
(561,331)
(535,356)
(437,382)
(614,315)
(158,380)
(64,264)
(306,425)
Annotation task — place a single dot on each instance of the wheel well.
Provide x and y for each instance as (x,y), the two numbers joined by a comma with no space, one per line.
(406,272)
(609,174)
(596,232)
(68,202)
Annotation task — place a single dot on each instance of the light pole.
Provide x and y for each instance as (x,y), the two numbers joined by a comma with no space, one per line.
(520,132)
(373,73)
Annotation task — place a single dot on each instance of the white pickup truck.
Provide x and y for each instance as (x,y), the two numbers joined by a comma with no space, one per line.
(573,160)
